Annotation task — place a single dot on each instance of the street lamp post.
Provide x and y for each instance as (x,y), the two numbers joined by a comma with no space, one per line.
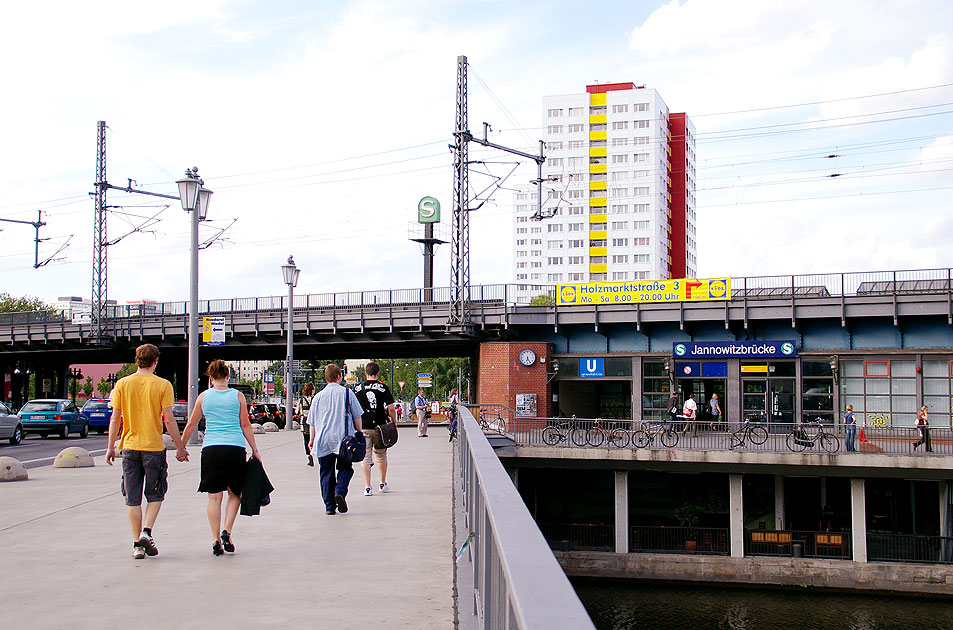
(290,274)
(195,198)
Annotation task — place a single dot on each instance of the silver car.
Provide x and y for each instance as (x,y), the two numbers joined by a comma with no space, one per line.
(10,427)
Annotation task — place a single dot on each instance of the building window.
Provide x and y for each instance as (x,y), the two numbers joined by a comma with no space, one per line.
(620,125)
(576,144)
(536,230)
(521,276)
(576,227)
(641,207)
(937,377)
(620,142)
(622,259)
(637,140)
(883,392)
(520,241)
(619,208)
(597,227)
(640,107)
(575,210)
(522,219)
(597,277)
(554,113)
(554,260)
(576,243)
(554,244)
(640,225)
(643,241)
(597,260)
(554,277)
(641,258)
(621,158)
(620,176)
(577,128)
(620,109)
(577,111)
(554,227)
(576,161)
(521,230)
(554,129)
(577,193)
(817,391)
(620,275)
(620,192)
(640,191)
(575,260)
(577,277)
(620,242)
(555,161)
(620,225)
(521,254)
(554,146)
(641,124)
(536,265)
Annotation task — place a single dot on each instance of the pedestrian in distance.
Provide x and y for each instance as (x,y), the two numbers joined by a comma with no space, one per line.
(850,428)
(227,428)
(141,404)
(923,425)
(335,412)
(672,408)
(303,407)
(689,411)
(420,406)
(714,406)
(378,404)
(452,412)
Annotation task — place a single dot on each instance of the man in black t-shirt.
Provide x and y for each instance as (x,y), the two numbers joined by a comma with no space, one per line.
(378,405)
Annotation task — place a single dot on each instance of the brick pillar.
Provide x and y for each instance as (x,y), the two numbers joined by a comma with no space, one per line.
(501,375)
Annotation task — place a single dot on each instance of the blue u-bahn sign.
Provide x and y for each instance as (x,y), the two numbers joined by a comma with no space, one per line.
(592,367)
(782,349)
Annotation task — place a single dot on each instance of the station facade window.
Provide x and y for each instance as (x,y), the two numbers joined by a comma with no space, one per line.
(656,390)
(938,389)
(882,391)
(817,390)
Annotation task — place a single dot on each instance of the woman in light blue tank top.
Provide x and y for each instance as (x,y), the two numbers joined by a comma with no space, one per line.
(223,451)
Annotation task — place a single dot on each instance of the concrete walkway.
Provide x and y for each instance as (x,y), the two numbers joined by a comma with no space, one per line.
(66,553)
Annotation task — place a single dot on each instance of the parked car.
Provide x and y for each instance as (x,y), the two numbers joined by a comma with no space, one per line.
(10,427)
(97,412)
(53,415)
(266,412)
(180,411)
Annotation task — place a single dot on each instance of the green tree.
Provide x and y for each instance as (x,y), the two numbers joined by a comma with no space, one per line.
(88,387)
(126,370)
(543,299)
(104,387)
(10,304)
(443,369)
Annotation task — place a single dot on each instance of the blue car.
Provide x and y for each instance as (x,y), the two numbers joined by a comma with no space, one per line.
(45,416)
(97,412)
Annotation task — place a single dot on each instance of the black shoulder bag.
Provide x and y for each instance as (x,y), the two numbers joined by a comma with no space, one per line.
(353,447)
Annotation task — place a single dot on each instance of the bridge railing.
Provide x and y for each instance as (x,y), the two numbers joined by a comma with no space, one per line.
(776,437)
(517,582)
(867,283)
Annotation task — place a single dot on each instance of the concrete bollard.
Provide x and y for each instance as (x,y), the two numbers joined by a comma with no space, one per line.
(257,428)
(12,470)
(270,427)
(73,457)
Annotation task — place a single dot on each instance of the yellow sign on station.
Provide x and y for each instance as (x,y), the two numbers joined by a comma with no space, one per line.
(644,291)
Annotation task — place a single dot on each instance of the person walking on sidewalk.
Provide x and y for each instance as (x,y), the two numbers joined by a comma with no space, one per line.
(335,412)
(452,412)
(141,403)
(923,425)
(689,411)
(378,404)
(223,452)
(420,406)
(303,407)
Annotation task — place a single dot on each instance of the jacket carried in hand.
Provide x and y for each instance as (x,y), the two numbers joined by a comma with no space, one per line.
(256,489)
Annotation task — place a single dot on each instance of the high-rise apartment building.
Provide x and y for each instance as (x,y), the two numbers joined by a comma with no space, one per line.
(620,195)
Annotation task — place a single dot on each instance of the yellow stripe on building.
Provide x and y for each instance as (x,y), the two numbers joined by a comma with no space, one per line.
(598,168)
(598,185)
(597,201)
(598,268)
(598,251)
(598,218)
(598,152)
(597,99)
(598,235)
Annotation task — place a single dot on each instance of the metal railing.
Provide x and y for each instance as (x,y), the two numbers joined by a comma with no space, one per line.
(868,283)
(517,582)
(775,437)
(711,541)
(799,544)
(909,548)
(579,536)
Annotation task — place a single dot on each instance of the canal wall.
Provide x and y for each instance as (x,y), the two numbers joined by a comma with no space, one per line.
(826,574)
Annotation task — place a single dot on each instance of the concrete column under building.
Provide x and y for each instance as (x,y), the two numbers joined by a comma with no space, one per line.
(858,519)
(621,511)
(946,546)
(778,502)
(736,516)
(732,409)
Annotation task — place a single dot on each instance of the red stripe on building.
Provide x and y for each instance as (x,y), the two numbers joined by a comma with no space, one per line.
(678,237)
(609,87)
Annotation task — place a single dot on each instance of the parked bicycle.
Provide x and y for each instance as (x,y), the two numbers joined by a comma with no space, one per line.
(598,434)
(489,423)
(661,430)
(748,432)
(564,432)
(811,434)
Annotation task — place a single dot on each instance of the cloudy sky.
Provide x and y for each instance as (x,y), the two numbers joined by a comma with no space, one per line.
(319,125)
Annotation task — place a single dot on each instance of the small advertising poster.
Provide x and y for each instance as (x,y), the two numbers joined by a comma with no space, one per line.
(213,331)
(526,405)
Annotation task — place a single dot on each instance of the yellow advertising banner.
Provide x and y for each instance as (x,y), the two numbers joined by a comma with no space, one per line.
(644,291)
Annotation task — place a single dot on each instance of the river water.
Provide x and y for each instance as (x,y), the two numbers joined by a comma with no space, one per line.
(624,605)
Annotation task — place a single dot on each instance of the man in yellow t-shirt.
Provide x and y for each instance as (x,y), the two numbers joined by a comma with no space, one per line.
(140,403)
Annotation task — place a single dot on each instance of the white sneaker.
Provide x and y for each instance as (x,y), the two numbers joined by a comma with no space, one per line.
(385,487)
(367,492)
(138,552)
